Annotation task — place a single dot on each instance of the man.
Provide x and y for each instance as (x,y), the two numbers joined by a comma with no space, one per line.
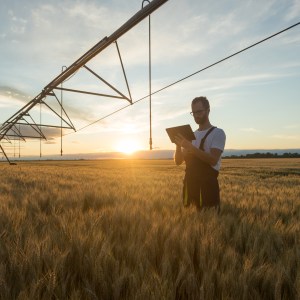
(203,159)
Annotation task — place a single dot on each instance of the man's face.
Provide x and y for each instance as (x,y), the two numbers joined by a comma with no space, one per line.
(200,114)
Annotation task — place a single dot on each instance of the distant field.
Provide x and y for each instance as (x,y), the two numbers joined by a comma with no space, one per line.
(116,229)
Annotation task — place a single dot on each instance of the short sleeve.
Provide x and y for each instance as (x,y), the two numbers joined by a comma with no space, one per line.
(218,140)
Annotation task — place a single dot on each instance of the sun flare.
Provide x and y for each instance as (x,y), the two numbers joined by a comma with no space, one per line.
(127,146)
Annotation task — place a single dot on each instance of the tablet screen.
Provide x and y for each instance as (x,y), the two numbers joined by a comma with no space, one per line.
(185,130)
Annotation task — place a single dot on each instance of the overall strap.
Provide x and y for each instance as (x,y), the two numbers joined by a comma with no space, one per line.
(204,138)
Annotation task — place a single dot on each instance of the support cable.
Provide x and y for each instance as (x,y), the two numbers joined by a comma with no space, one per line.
(190,75)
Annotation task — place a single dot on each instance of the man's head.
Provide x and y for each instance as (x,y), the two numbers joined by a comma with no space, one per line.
(200,110)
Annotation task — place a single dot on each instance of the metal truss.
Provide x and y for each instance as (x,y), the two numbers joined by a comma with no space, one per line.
(23,125)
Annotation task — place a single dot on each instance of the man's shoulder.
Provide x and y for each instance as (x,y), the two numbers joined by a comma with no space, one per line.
(218,139)
(219,131)
(215,132)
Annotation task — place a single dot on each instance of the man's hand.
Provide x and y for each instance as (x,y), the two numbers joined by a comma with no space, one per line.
(182,142)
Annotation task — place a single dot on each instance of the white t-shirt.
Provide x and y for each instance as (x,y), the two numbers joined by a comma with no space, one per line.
(216,139)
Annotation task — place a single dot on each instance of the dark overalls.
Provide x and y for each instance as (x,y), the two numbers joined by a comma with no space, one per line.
(201,186)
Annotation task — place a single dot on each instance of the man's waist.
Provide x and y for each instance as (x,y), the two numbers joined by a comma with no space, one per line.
(196,167)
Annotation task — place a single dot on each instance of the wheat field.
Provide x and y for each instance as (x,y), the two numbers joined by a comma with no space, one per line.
(116,229)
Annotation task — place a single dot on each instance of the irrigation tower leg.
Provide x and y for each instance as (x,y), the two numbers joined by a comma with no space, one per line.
(2,150)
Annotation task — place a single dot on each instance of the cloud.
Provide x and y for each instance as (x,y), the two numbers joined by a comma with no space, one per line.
(250,129)
(169,115)
(294,11)
(287,65)
(292,126)
(50,142)
(286,137)
(10,97)
(18,25)
(18,29)
(295,39)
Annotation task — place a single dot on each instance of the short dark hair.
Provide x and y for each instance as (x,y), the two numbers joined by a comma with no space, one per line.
(203,100)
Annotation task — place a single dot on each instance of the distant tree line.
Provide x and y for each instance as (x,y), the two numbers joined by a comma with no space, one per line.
(266,155)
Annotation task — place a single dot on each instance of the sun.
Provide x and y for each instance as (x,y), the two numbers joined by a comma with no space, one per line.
(128,146)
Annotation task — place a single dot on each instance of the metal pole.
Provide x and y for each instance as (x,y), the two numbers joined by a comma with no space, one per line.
(61,112)
(19,142)
(40,129)
(150,89)
(14,145)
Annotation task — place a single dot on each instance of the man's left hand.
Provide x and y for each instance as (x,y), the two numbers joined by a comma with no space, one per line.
(182,142)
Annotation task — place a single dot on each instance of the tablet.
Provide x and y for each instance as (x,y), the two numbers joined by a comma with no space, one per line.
(185,130)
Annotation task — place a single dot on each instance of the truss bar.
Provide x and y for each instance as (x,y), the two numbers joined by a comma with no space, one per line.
(123,71)
(73,127)
(18,134)
(15,134)
(103,80)
(88,93)
(27,136)
(37,129)
(58,115)
(3,128)
(44,125)
(17,129)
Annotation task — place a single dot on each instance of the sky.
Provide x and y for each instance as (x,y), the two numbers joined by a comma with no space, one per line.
(254,97)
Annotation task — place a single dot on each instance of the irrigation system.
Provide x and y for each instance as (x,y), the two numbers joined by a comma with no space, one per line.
(23,125)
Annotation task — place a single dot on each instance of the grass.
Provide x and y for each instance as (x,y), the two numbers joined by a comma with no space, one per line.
(117,230)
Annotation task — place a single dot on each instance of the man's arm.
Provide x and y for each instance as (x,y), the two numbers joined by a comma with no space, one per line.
(210,158)
(178,156)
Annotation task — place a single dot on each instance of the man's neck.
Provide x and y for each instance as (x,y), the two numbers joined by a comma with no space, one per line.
(205,126)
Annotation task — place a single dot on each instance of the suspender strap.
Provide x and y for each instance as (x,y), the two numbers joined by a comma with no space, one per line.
(204,138)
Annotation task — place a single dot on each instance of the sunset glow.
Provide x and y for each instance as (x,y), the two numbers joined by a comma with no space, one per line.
(128,146)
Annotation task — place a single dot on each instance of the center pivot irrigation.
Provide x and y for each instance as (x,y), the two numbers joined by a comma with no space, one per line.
(25,119)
